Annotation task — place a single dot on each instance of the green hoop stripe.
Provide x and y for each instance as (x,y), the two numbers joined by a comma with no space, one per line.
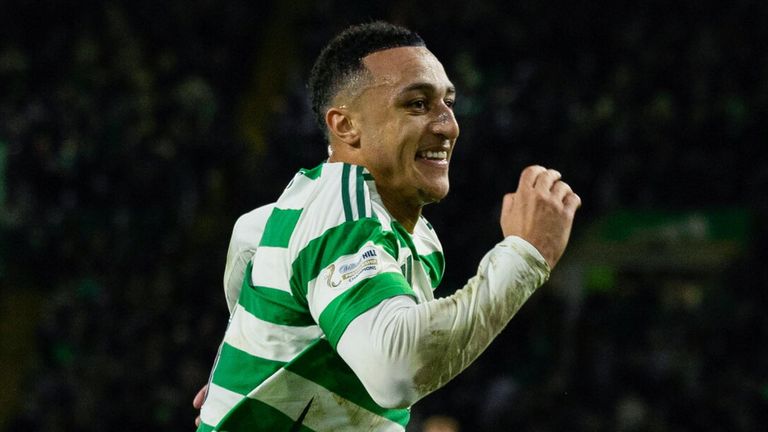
(241,372)
(322,365)
(280,226)
(314,173)
(272,305)
(434,264)
(344,239)
(254,415)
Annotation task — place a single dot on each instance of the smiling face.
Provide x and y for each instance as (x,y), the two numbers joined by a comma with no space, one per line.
(407,130)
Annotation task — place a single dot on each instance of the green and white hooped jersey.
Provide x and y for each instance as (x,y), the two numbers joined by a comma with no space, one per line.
(328,252)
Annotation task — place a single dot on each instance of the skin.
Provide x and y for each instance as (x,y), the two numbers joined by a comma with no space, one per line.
(541,211)
(404,109)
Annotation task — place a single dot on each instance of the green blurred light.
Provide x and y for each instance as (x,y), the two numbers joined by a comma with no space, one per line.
(64,353)
(599,278)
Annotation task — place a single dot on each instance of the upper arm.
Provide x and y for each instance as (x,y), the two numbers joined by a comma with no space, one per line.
(350,270)
(375,346)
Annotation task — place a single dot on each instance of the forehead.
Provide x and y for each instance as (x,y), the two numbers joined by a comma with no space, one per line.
(399,67)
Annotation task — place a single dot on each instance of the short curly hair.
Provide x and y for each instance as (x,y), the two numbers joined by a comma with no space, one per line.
(341,61)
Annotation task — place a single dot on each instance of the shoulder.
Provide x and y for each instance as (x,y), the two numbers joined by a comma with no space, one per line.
(336,187)
(316,200)
(250,226)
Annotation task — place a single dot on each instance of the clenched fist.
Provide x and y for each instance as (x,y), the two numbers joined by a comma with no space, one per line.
(541,212)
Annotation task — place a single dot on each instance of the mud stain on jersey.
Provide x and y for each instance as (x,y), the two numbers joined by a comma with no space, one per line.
(461,327)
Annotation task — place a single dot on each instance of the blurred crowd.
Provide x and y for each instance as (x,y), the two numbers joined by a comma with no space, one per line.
(132,135)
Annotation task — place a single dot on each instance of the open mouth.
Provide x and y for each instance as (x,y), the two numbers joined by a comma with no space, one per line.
(437,156)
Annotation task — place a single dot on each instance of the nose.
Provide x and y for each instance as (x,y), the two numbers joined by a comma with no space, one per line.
(445,124)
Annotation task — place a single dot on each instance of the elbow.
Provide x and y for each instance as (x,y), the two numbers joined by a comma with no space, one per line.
(392,393)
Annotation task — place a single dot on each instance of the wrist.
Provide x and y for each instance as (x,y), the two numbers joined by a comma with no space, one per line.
(527,251)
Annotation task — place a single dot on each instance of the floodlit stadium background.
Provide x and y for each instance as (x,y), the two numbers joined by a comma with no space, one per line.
(132,134)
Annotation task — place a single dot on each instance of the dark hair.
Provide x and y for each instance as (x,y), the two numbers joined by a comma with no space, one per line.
(341,59)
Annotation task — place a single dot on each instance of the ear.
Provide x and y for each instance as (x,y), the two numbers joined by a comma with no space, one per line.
(342,126)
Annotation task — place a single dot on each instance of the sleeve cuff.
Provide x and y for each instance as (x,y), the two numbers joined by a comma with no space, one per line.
(527,251)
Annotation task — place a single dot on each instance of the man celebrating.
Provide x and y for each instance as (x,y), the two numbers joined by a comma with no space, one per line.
(333,323)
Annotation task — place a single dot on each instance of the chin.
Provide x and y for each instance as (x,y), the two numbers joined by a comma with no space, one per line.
(433,195)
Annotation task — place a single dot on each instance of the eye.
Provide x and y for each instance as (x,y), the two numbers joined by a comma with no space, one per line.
(450,103)
(418,104)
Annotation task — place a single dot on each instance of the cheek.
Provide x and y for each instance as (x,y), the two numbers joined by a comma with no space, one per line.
(390,146)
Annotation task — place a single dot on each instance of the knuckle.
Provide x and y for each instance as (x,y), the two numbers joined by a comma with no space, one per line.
(575,198)
(532,169)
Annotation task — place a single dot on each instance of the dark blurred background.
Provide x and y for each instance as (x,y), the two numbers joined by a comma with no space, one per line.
(133,134)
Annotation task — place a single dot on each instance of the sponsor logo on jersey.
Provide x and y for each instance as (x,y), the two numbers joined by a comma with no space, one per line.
(351,268)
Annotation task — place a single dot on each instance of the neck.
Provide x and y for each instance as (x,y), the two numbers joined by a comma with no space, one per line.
(407,215)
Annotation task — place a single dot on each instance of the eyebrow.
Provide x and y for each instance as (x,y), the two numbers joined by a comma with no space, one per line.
(427,87)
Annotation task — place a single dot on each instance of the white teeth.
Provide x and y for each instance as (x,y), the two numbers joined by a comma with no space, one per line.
(439,155)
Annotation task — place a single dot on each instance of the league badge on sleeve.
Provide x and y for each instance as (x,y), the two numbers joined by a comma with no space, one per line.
(352,268)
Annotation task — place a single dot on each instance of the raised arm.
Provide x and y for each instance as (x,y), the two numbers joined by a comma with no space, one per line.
(402,351)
